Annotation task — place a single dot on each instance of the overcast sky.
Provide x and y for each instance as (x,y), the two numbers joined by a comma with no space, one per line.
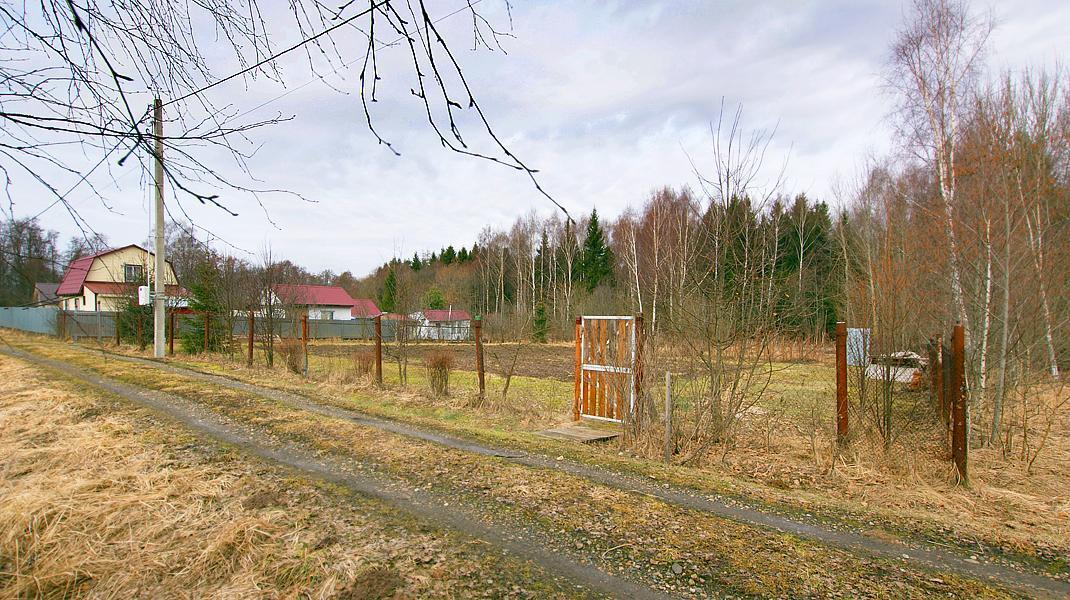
(606,99)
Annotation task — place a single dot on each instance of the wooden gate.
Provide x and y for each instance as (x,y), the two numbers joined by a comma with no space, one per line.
(607,367)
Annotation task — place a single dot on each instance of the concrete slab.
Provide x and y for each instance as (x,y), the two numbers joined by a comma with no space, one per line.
(575,432)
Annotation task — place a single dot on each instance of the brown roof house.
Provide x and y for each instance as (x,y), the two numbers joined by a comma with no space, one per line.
(105,280)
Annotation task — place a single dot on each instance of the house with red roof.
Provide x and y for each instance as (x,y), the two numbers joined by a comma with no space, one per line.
(324,302)
(447,324)
(106,280)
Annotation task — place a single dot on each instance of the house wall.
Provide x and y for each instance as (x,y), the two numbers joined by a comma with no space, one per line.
(341,313)
(110,266)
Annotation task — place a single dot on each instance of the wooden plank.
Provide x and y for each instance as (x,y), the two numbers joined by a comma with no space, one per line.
(602,360)
(574,432)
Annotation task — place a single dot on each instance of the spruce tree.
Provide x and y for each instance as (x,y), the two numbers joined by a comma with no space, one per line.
(388,296)
(597,258)
(416,264)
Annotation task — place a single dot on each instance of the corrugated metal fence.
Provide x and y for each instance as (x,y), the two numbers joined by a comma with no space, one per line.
(99,324)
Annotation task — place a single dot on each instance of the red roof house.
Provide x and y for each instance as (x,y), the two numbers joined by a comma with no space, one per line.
(325,301)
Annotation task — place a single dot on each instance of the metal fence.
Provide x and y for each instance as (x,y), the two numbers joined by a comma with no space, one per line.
(77,324)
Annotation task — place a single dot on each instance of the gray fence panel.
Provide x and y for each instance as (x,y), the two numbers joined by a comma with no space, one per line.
(94,324)
(36,319)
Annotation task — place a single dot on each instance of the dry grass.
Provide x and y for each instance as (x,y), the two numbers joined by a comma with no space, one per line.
(363,361)
(438,365)
(293,354)
(94,502)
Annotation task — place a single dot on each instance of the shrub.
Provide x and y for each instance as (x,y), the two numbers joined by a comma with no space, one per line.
(293,353)
(439,363)
(363,362)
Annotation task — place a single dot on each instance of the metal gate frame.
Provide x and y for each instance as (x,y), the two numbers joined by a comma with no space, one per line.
(585,367)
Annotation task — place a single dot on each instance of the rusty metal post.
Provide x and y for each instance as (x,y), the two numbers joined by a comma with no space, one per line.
(958,397)
(668,417)
(841,382)
(379,350)
(207,330)
(479,356)
(249,335)
(304,340)
(171,333)
(579,373)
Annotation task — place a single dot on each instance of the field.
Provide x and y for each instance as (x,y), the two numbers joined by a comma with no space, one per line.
(697,528)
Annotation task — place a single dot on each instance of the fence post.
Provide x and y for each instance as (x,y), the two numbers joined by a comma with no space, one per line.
(207,327)
(171,333)
(304,340)
(379,350)
(936,374)
(958,398)
(668,417)
(118,339)
(841,382)
(139,344)
(249,334)
(637,369)
(479,356)
(579,373)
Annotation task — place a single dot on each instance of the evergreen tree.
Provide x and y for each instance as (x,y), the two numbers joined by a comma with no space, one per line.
(597,258)
(388,296)
(416,264)
(448,255)
(540,323)
(434,299)
(433,258)
(462,255)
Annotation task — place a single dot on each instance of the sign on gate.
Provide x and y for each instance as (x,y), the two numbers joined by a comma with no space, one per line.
(607,351)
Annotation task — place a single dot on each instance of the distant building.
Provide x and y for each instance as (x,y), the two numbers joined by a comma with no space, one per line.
(45,293)
(324,302)
(449,325)
(107,280)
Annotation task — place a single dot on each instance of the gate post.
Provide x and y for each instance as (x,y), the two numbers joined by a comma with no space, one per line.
(637,368)
(579,373)
(379,350)
(841,382)
(479,355)
(958,398)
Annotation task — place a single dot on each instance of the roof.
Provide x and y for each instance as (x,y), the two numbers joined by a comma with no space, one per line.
(314,295)
(112,288)
(454,314)
(364,308)
(46,291)
(74,277)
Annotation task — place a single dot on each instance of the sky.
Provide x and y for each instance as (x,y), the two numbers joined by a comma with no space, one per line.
(609,100)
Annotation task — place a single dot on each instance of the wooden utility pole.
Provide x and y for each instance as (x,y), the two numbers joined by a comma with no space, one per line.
(479,356)
(379,350)
(160,267)
(841,382)
(250,333)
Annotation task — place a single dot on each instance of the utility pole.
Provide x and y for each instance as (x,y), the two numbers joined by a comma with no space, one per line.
(160,268)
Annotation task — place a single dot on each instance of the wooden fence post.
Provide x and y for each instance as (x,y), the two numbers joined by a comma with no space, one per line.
(207,328)
(479,356)
(958,397)
(304,340)
(171,333)
(118,339)
(379,350)
(139,344)
(579,373)
(841,382)
(637,369)
(668,417)
(249,334)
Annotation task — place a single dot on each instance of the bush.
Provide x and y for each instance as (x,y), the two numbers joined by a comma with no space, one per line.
(293,352)
(439,363)
(363,362)
(129,315)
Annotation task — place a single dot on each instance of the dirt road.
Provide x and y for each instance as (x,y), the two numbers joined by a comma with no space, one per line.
(587,574)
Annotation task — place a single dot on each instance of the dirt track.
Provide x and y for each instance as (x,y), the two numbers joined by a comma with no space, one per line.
(926,556)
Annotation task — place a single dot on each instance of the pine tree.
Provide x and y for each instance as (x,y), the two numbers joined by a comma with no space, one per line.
(388,295)
(597,258)
(433,299)
(448,255)
(540,324)
(462,255)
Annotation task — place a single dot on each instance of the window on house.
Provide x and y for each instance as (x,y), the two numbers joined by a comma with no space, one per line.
(133,273)
(327,314)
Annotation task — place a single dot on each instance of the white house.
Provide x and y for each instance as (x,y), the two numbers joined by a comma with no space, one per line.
(324,302)
(450,325)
